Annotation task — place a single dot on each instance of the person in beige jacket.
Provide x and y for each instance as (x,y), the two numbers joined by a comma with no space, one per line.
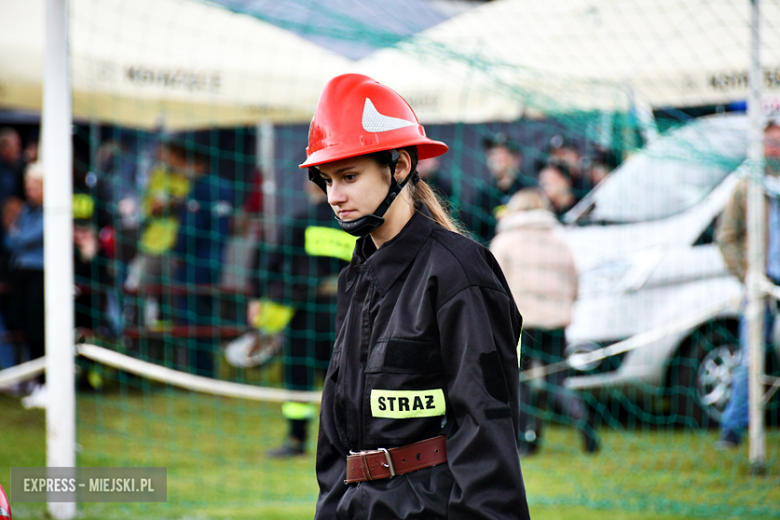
(540,271)
(731,235)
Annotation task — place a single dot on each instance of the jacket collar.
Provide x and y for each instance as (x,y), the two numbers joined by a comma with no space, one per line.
(387,263)
(537,219)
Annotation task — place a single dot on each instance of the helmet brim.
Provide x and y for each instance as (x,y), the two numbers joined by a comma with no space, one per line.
(426,149)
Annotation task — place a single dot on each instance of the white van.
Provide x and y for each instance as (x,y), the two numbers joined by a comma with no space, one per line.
(643,244)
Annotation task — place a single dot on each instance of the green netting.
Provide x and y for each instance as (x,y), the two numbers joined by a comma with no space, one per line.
(197,215)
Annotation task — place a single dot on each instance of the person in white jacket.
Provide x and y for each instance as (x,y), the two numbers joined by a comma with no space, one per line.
(540,271)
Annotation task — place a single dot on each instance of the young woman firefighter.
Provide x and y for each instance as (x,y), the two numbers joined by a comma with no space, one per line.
(419,414)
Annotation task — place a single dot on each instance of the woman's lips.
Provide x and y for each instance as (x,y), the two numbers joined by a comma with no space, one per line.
(345,213)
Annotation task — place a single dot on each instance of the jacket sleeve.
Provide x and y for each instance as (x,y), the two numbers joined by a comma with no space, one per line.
(731,233)
(277,272)
(27,235)
(331,454)
(331,473)
(479,330)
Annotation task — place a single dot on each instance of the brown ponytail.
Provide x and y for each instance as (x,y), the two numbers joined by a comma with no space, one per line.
(423,193)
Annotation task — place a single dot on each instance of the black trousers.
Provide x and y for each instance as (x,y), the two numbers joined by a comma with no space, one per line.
(307,349)
(547,347)
(308,345)
(196,354)
(27,310)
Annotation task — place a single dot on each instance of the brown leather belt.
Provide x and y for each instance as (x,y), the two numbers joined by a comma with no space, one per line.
(383,463)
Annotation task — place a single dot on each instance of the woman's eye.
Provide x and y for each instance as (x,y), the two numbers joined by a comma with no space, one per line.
(350,178)
(328,182)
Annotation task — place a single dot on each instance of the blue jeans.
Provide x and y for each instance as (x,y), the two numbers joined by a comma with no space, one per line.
(7,349)
(736,415)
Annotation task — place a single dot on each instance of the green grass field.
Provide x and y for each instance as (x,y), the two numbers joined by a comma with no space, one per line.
(214,451)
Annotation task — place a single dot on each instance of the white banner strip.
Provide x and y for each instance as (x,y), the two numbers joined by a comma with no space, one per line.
(22,372)
(241,391)
(634,342)
(172,377)
(192,382)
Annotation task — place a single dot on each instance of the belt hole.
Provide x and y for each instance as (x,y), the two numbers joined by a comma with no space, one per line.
(437,451)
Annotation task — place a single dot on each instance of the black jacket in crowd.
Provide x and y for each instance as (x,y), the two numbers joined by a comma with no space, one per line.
(479,216)
(290,274)
(429,312)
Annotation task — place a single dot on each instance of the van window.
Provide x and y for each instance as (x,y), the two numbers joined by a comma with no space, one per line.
(673,174)
(708,235)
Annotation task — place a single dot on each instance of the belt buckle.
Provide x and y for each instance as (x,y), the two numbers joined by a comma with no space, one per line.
(389,464)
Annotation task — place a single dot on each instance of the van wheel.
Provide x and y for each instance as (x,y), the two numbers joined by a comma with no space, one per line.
(699,379)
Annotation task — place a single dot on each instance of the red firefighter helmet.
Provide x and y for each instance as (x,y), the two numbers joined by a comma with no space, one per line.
(5,506)
(357,115)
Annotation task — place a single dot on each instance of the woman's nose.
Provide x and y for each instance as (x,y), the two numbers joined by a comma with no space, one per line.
(335,194)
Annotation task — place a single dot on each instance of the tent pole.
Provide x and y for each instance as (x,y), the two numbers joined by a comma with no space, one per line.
(265,163)
(756,253)
(58,250)
(94,145)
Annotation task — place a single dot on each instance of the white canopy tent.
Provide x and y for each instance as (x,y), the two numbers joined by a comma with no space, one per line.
(607,54)
(186,63)
(176,62)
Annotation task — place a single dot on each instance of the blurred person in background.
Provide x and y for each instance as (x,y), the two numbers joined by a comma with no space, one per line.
(600,164)
(299,282)
(253,200)
(91,199)
(11,208)
(90,263)
(503,160)
(161,211)
(92,284)
(114,171)
(564,151)
(540,271)
(203,230)
(250,223)
(24,240)
(8,350)
(30,153)
(556,183)
(11,164)
(731,235)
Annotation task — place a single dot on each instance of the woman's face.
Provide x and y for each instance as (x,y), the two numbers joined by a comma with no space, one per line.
(500,161)
(356,186)
(553,184)
(33,188)
(81,234)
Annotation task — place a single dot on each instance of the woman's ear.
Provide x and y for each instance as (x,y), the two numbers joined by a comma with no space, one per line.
(403,167)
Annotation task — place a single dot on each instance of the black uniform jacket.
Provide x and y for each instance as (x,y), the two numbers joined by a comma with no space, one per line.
(427,332)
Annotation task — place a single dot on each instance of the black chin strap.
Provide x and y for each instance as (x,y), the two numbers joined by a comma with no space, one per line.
(364,225)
